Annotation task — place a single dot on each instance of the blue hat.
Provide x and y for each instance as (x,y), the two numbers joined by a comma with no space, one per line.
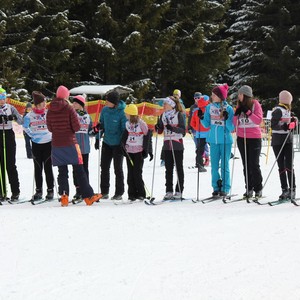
(2,94)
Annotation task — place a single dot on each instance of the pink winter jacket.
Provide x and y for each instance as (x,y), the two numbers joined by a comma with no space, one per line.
(252,130)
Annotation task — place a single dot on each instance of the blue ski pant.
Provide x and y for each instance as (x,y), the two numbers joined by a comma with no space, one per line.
(220,152)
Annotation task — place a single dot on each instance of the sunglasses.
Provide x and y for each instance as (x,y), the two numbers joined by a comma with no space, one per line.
(197,98)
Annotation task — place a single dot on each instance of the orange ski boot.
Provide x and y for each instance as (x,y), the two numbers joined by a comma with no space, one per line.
(91,200)
(64,200)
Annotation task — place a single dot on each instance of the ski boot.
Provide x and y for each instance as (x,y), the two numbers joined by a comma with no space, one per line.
(50,194)
(285,194)
(89,201)
(14,197)
(38,195)
(64,200)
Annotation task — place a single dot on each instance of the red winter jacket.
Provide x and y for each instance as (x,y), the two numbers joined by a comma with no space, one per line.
(62,121)
(195,122)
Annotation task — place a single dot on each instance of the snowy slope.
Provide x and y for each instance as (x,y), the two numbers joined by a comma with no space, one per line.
(171,251)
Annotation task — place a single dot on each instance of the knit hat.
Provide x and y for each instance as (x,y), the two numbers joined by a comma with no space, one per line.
(131,110)
(221,91)
(170,101)
(205,97)
(38,97)
(246,90)
(2,94)
(62,92)
(197,95)
(80,100)
(285,97)
(177,92)
(28,105)
(113,97)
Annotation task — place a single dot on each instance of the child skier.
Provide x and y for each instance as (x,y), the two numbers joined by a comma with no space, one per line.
(218,117)
(112,123)
(200,131)
(83,139)
(247,118)
(63,122)
(282,123)
(171,122)
(135,133)
(8,113)
(36,128)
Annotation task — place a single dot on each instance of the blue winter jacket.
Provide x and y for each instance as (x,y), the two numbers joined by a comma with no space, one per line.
(216,133)
(113,122)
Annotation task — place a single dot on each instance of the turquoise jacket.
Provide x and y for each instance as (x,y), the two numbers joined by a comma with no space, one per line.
(217,134)
(113,122)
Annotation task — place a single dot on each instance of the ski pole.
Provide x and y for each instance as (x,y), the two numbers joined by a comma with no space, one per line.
(4,189)
(246,163)
(287,136)
(154,163)
(233,160)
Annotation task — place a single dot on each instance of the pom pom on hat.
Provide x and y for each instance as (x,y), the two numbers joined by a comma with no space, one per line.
(285,97)
(38,97)
(221,91)
(131,110)
(177,92)
(62,92)
(246,90)
(80,100)
(113,97)
(2,94)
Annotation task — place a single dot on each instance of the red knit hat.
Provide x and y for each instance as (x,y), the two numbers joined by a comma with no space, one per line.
(62,92)
(221,91)
(80,100)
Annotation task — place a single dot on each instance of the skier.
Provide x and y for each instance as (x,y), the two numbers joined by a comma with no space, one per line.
(8,113)
(63,122)
(193,107)
(218,117)
(247,118)
(200,131)
(36,128)
(112,124)
(171,122)
(282,123)
(28,108)
(82,136)
(135,149)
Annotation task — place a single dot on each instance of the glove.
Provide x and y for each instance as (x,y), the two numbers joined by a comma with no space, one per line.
(156,127)
(225,115)
(244,109)
(97,128)
(11,117)
(190,130)
(169,127)
(151,156)
(97,144)
(285,126)
(238,111)
(200,114)
(292,125)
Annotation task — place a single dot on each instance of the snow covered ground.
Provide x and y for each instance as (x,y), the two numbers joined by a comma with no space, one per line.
(173,251)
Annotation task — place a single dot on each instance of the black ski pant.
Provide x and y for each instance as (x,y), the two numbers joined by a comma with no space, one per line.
(200,142)
(285,165)
(136,187)
(85,158)
(42,161)
(109,153)
(169,165)
(251,163)
(63,181)
(8,159)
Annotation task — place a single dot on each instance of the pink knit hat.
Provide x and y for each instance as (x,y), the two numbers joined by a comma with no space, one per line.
(62,92)
(221,91)
(285,97)
(80,100)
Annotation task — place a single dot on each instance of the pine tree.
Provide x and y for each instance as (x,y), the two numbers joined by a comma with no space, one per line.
(16,38)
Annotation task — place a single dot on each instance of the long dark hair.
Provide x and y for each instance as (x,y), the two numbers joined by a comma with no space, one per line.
(248,102)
